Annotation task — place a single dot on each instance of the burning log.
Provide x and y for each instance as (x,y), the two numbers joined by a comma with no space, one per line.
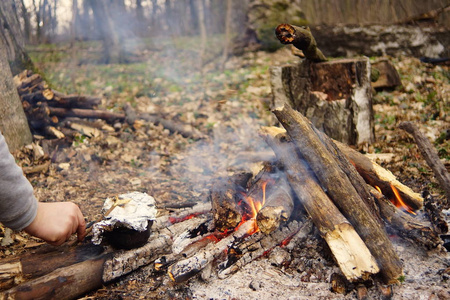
(341,190)
(350,252)
(302,39)
(404,225)
(225,198)
(375,175)
(277,208)
(261,244)
(185,269)
(430,155)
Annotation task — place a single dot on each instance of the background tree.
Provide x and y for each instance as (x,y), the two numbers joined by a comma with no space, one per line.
(13,122)
(113,49)
(12,38)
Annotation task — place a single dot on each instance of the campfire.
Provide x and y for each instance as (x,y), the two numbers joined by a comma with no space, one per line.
(315,188)
(249,215)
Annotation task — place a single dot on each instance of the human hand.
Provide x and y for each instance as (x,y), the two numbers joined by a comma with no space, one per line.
(55,222)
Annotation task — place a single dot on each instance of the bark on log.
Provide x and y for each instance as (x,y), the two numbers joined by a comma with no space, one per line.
(375,175)
(405,225)
(341,190)
(430,155)
(77,279)
(302,39)
(352,255)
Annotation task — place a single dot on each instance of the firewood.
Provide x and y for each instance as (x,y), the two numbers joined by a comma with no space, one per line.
(376,175)
(87,113)
(77,279)
(74,101)
(341,191)
(352,255)
(430,155)
(404,225)
(187,268)
(225,195)
(38,264)
(435,214)
(277,208)
(260,244)
(352,173)
(30,81)
(301,38)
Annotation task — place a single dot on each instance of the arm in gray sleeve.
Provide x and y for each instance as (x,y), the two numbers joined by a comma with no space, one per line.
(18,205)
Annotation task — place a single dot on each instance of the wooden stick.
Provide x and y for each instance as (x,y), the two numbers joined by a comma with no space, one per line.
(87,113)
(430,155)
(353,257)
(302,39)
(341,190)
(375,175)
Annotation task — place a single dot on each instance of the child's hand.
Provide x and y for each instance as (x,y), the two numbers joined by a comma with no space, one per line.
(55,222)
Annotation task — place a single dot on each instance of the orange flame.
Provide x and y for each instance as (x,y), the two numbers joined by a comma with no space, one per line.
(398,201)
(254,206)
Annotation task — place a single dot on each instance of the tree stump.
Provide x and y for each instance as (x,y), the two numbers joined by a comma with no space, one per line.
(335,95)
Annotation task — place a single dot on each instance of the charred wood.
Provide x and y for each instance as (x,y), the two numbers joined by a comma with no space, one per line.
(435,215)
(341,190)
(404,225)
(189,267)
(225,195)
(350,252)
(258,245)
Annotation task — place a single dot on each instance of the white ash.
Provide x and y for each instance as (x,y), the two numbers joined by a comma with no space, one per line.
(133,215)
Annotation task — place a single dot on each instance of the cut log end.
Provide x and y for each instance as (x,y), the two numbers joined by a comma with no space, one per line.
(354,258)
(285,33)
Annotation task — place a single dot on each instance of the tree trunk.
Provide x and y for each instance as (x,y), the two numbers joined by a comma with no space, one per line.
(11,38)
(112,44)
(13,122)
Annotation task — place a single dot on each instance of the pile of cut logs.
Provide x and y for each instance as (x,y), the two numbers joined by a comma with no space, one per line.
(54,114)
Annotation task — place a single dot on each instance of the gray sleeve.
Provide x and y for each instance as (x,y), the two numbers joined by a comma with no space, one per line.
(18,205)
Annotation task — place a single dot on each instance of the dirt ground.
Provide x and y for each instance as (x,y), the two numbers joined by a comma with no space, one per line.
(228,107)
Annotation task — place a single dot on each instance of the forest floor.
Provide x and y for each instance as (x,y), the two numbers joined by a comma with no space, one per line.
(227,107)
